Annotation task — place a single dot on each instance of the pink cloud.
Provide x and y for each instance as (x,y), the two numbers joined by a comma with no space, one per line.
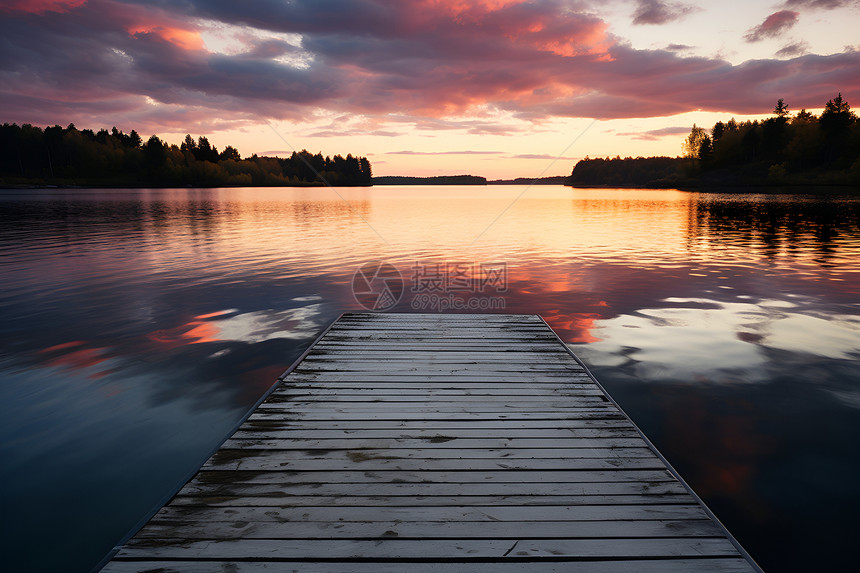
(773,26)
(655,134)
(180,37)
(39,6)
(420,63)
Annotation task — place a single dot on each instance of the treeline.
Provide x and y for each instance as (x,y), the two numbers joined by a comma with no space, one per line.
(32,156)
(627,172)
(801,149)
(783,149)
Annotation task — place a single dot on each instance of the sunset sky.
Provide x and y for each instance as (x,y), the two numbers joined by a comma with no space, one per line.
(499,88)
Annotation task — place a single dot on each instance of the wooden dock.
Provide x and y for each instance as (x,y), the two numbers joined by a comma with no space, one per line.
(428,443)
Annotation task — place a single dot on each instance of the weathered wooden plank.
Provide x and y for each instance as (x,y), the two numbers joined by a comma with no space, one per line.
(549,409)
(580,399)
(439,362)
(430,357)
(494,321)
(711,565)
(427,332)
(580,396)
(560,447)
(443,401)
(554,376)
(370,450)
(488,369)
(428,548)
(355,390)
(385,355)
(421,338)
(436,389)
(440,460)
(383,412)
(548,359)
(573,478)
(525,333)
(431,332)
(503,437)
(363,514)
(482,322)
(438,326)
(273,412)
(549,404)
(509,351)
(418,318)
(246,499)
(415,380)
(233,529)
(485,329)
(427,432)
(267,460)
(418,383)
(537,379)
(261,421)
(441,346)
(440,321)
(414,386)
(440,329)
(412,317)
(286,487)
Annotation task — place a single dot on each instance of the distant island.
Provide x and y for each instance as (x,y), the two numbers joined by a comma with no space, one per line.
(554,180)
(782,150)
(436,180)
(68,157)
(468,180)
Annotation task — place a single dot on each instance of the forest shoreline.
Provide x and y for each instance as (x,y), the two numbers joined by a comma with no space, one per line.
(740,188)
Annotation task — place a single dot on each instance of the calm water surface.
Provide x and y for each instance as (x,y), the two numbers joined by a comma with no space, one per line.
(139,326)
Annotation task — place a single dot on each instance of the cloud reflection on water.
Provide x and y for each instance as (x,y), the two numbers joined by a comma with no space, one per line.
(719,341)
(250,327)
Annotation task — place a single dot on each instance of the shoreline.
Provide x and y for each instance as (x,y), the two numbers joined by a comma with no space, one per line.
(819,188)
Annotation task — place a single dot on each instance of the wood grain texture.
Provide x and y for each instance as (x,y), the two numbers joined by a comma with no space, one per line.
(422,443)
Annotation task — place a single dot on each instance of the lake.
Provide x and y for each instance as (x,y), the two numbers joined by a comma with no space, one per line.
(138,327)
